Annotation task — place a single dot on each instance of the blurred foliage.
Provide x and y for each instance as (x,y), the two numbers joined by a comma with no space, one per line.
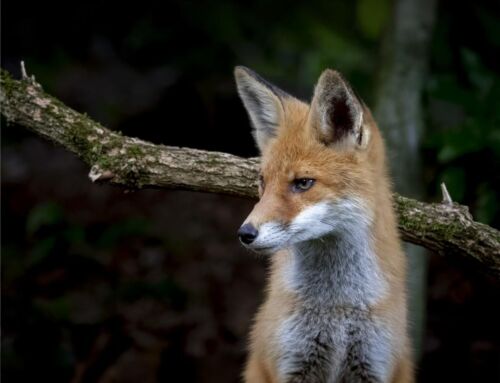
(462,143)
(61,277)
(373,16)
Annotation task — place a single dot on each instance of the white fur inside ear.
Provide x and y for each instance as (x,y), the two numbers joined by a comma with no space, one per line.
(262,104)
(358,139)
(364,136)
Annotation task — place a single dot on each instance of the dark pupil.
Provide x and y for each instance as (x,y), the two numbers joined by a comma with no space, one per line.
(303,182)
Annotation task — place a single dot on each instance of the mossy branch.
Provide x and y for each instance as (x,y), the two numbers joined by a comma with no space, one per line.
(444,228)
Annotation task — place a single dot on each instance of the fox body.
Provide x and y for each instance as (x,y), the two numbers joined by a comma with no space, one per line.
(335,309)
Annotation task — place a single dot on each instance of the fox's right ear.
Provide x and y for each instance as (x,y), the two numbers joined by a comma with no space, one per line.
(337,114)
(263,102)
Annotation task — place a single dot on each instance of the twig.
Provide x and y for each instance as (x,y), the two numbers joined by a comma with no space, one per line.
(24,74)
(446,195)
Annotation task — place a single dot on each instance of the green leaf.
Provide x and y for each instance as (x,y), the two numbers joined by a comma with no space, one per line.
(57,309)
(74,234)
(45,214)
(121,230)
(41,250)
(372,17)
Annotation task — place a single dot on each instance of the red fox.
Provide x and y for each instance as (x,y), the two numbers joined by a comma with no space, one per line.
(336,300)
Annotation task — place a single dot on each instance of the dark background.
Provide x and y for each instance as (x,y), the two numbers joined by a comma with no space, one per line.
(103,285)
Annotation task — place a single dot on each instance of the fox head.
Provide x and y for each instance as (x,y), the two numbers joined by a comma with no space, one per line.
(318,162)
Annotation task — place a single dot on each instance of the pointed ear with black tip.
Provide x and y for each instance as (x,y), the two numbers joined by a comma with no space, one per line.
(336,113)
(263,102)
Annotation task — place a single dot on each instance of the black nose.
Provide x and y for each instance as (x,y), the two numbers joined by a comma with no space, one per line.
(247,233)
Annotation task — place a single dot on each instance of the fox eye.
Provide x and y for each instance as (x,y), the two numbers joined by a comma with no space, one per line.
(300,185)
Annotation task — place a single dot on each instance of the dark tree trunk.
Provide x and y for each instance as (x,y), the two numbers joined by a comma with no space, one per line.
(398,111)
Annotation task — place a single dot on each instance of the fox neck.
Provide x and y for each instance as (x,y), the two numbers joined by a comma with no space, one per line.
(339,269)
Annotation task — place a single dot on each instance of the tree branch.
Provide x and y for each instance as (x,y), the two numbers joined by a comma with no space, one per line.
(447,229)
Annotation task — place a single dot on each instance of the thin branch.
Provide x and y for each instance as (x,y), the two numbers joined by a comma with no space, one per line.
(133,163)
(25,77)
(446,195)
(24,74)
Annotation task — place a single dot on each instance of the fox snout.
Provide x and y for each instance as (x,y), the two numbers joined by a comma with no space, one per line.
(247,233)
(315,221)
(263,237)
(273,233)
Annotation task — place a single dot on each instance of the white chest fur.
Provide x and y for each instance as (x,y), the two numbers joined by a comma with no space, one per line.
(336,280)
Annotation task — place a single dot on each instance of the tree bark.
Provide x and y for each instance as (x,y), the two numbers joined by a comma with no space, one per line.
(447,229)
(399,113)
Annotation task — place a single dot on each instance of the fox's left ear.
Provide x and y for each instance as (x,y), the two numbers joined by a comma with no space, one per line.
(263,102)
(336,114)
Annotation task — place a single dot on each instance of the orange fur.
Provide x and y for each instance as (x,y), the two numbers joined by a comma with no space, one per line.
(296,152)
